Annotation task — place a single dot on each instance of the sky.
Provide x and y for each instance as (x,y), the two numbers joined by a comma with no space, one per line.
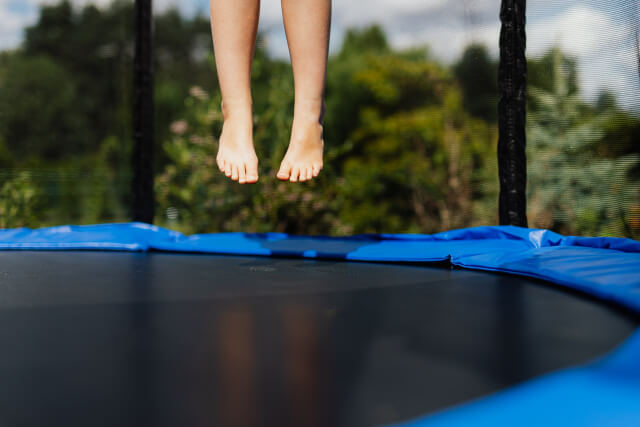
(601,34)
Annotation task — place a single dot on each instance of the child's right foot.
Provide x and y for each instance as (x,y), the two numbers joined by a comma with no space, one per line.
(236,156)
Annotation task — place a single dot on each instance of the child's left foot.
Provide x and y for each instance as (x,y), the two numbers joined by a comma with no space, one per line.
(303,160)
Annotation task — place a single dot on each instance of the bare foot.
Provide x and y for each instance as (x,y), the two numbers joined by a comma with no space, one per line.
(236,156)
(303,160)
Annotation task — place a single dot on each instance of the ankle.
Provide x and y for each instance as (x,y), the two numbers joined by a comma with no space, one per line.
(309,109)
(306,129)
(236,109)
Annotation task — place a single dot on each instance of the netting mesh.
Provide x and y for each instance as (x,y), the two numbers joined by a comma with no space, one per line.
(582,124)
(65,113)
(411,128)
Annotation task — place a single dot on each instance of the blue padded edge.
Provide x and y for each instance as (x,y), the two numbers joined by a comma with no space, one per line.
(119,237)
(606,392)
(603,393)
(605,267)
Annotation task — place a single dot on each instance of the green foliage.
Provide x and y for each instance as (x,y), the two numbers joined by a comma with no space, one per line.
(34,129)
(409,142)
(92,50)
(572,187)
(477,73)
(370,40)
(91,47)
(542,73)
(194,196)
(407,157)
(20,201)
(415,150)
(66,97)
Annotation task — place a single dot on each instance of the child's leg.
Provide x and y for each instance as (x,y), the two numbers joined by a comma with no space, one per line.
(307,24)
(234,25)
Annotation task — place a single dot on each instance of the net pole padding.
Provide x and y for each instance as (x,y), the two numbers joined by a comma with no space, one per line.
(512,82)
(142,208)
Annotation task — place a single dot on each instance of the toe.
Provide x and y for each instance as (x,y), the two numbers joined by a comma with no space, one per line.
(242,174)
(220,164)
(252,172)
(227,169)
(303,174)
(252,179)
(285,172)
(309,172)
(234,173)
(316,170)
(295,174)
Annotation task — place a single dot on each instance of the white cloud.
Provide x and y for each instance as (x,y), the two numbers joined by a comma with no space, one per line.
(603,46)
(452,29)
(580,30)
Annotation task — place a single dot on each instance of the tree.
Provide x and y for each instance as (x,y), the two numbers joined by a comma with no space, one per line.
(95,47)
(417,153)
(40,120)
(66,99)
(571,187)
(543,71)
(477,74)
(401,152)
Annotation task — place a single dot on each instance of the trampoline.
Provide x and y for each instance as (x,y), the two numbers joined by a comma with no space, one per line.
(132,324)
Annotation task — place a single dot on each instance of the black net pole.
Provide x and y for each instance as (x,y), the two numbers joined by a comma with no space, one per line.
(512,80)
(142,184)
